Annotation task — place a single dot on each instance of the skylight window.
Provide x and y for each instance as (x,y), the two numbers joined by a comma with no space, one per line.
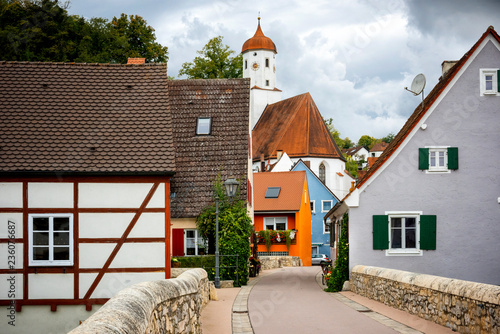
(204,126)
(273,192)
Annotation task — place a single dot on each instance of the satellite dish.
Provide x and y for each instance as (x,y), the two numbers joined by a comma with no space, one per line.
(418,84)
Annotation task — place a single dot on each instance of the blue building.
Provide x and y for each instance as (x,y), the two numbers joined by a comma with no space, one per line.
(322,200)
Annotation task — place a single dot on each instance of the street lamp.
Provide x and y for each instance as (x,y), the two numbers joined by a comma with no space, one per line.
(231,186)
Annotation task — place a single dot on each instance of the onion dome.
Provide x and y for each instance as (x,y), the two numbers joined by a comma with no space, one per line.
(259,42)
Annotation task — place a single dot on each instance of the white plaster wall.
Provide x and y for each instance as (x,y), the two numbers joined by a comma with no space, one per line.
(39,319)
(6,287)
(111,283)
(112,225)
(158,199)
(112,195)
(16,218)
(50,286)
(4,255)
(50,195)
(11,195)
(94,255)
(103,225)
(137,255)
(264,73)
(130,255)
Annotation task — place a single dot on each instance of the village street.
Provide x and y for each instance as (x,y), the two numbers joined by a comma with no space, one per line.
(291,300)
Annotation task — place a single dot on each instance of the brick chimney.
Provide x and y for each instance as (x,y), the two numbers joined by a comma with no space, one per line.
(136,61)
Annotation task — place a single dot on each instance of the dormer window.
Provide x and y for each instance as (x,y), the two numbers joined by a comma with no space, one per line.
(204,126)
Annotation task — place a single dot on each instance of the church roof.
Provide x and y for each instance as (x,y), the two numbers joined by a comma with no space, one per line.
(296,127)
(259,42)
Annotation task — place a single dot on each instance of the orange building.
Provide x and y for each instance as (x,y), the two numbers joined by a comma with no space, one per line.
(282,203)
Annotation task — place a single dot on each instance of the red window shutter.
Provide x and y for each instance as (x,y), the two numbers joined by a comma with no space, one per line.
(177,242)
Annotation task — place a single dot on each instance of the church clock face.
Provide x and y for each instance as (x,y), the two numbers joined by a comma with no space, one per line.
(255,66)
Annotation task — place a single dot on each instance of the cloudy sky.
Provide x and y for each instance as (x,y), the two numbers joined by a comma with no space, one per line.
(353,56)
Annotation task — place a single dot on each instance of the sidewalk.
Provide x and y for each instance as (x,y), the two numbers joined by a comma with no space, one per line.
(292,300)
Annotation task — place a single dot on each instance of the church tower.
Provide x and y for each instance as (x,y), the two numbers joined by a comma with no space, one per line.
(259,64)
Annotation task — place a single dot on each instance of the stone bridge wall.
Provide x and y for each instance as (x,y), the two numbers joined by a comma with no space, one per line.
(272,262)
(466,307)
(166,306)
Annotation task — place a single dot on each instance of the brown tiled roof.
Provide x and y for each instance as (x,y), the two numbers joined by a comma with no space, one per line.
(296,127)
(84,118)
(200,158)
(379,147)
(259,42)
(290,196)
(420,112)
(352,150)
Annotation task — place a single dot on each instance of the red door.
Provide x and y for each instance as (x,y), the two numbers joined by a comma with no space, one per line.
(177,242)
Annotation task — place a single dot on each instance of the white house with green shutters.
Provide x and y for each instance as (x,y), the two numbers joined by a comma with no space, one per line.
(431,202)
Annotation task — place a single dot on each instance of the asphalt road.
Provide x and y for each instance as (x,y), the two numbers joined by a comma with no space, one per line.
(291,301)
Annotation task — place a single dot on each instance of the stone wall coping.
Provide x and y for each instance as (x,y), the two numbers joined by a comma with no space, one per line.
(486,293)
(130,310)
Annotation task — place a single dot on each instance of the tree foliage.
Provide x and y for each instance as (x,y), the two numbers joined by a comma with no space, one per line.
(366,141)
(42,30)
(387,139)
(214,61)
(340,272)
(235,228)
(341,143)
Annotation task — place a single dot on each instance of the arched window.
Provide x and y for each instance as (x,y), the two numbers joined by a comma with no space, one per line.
(322,172)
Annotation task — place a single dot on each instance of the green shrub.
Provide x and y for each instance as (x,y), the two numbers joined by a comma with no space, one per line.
(235,229)
(340,272)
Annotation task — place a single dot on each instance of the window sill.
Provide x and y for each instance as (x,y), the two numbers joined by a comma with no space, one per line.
(404,252)
(438,171)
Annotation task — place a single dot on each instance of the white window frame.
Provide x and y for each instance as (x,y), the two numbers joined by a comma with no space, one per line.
(322,205)
(198,129)
(267,222)
(405,251)
(198,239)
(313,206)
(483,73)
(326,228)
(438,169)
(50,261)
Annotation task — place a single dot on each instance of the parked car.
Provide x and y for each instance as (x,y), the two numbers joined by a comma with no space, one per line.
(320,259)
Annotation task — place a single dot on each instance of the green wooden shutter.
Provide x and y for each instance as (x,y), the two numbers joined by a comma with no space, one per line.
(452,157)
(423,158)
(380,232)
(428,232)
(498,80)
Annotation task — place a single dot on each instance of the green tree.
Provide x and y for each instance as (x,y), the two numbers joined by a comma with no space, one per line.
(214,61)
(340,272)
(351,166)
(366,141)
(42,30)
(341,143)
(139,40)
(387,139)
(235,228)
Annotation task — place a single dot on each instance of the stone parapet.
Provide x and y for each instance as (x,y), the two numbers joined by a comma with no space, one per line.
(273,262)
(166,306)
(463,306)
